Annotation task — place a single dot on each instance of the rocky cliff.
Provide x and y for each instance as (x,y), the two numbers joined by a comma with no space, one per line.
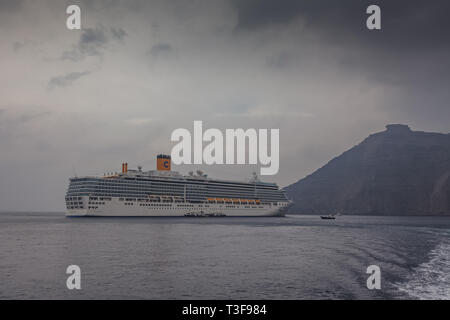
(394,172)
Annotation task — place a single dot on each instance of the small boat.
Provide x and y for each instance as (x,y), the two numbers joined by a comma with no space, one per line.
(328,217)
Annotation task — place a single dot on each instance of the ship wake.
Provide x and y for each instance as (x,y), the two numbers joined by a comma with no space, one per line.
(431,279)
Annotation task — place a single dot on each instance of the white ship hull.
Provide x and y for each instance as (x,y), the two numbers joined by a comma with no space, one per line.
(117,208)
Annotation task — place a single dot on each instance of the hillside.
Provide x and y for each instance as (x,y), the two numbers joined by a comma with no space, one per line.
(394,172)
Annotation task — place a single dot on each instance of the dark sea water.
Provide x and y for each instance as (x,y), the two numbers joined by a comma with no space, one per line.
(295,257)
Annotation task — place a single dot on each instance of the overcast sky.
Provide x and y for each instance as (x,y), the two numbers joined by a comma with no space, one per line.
(85,101)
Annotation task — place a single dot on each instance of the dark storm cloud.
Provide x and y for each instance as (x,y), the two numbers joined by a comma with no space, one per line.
(408,57)
(411,50)
(67,79)
(406,24)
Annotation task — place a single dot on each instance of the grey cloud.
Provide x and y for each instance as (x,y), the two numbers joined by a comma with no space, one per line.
(91,39)
(17,46)
(73,55)
(90,44)
(280,60)
(30,116)
(254,14)
(10,5)
(93,42)
(10,122)
(161,49)
(9,9)
(67,79)
(118,33)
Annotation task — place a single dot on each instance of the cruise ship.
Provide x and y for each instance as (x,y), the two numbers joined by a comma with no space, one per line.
(163,192)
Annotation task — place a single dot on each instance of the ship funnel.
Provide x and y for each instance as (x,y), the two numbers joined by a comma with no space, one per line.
(163,162)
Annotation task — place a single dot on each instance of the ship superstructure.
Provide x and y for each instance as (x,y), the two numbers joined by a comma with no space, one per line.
(163,192)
